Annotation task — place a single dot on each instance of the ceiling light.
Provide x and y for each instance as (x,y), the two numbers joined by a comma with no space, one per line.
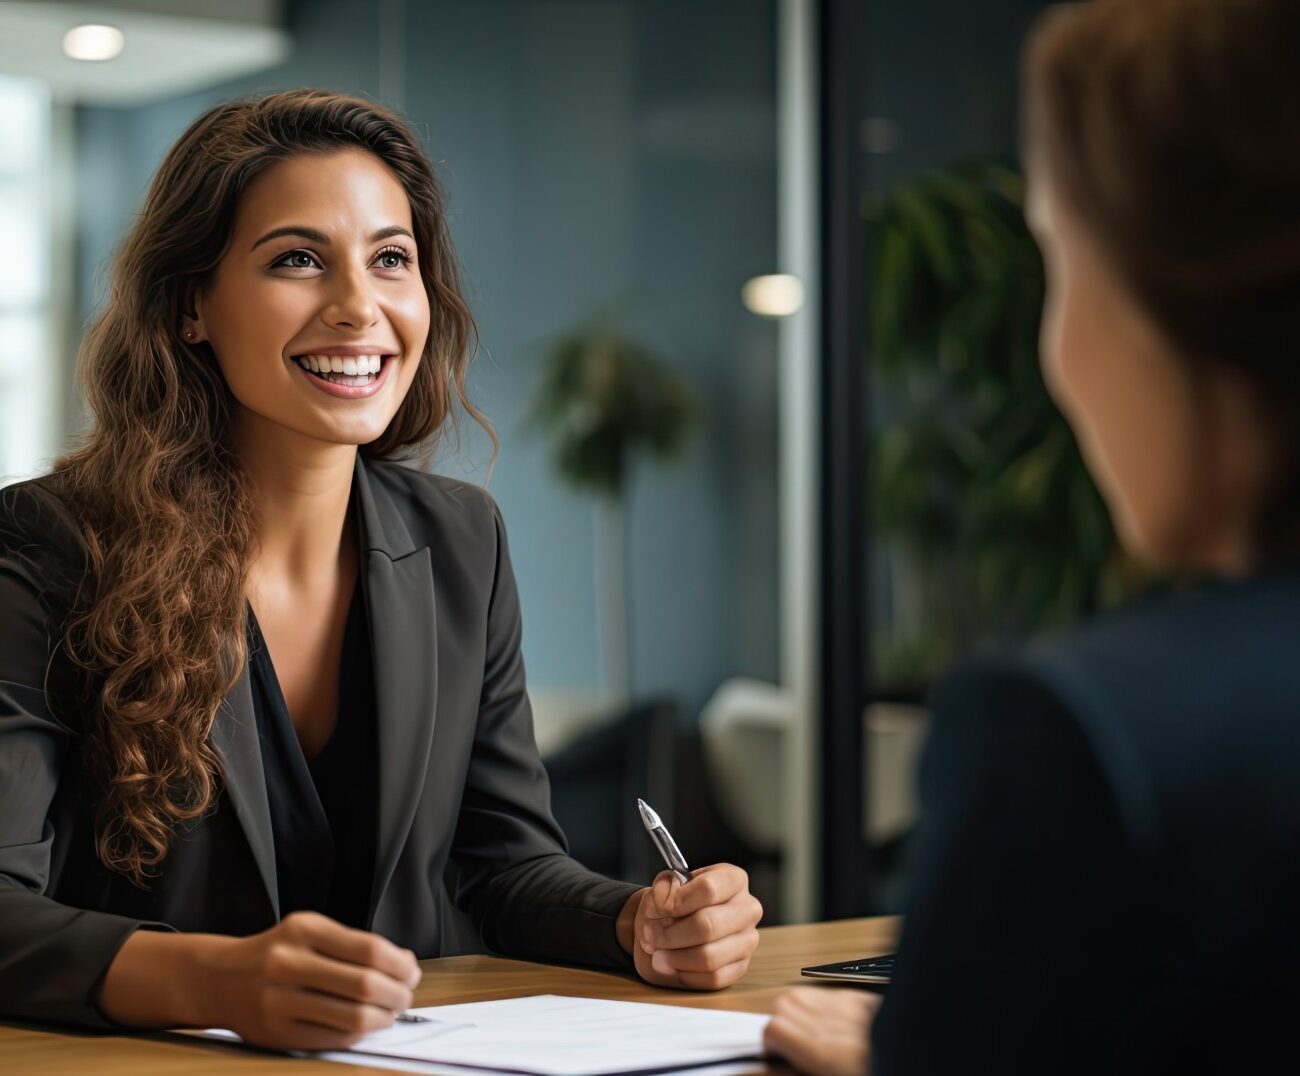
(92,41)
(776,296)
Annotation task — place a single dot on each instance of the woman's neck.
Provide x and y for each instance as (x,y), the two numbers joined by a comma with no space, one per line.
(300,490)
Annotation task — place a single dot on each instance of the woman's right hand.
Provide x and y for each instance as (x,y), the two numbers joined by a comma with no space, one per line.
(308,983)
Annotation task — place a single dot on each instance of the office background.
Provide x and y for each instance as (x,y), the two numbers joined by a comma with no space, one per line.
(757,612)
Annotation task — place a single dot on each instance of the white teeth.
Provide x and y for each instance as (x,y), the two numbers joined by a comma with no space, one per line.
(357,366)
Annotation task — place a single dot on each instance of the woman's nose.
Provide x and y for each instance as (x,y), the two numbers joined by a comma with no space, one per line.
(351,301)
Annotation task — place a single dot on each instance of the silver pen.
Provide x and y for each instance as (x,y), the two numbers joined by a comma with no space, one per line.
(663,840)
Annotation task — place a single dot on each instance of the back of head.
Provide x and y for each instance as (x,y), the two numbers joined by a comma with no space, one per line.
(1172,128)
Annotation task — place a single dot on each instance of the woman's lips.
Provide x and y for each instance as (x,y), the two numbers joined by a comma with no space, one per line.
(346,391)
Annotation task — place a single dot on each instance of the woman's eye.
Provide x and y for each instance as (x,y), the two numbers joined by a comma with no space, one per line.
(296,259)
(393,258)
(390,259)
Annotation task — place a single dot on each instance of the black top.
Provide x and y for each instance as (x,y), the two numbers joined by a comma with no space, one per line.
(323,809)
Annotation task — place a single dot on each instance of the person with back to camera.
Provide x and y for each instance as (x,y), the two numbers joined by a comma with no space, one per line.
(1107,872)
(261,690)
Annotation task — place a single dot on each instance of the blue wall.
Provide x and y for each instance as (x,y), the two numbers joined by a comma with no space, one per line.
(593,150)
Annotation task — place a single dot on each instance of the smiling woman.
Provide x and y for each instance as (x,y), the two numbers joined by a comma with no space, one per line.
(349,267)
(261,691)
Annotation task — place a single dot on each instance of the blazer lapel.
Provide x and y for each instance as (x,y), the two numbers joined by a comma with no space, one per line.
(234,735)
(403,639)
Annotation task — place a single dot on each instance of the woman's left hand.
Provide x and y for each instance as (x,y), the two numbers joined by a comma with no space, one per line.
(823,1032)
(693,936)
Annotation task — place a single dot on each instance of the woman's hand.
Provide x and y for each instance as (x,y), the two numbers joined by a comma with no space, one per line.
(308,983)
(823,1032)
(696,936)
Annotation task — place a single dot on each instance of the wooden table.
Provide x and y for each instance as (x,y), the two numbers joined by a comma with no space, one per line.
(782,952)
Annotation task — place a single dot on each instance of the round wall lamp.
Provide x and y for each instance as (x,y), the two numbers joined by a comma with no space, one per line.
(777,295)
(93,42)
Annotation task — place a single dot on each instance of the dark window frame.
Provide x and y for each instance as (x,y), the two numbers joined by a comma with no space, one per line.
(846,873)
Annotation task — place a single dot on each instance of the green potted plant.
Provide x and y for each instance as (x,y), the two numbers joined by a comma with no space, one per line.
(976,484)
(603,400)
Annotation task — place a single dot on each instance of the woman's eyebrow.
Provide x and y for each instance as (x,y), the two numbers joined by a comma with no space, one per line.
(323,239)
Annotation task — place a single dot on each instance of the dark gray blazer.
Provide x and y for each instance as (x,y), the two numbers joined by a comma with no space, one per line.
(468,856)
(1107,874)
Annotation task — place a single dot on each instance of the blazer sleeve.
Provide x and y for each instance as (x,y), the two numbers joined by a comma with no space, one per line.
(514,874)
(1022,949)
(52,956)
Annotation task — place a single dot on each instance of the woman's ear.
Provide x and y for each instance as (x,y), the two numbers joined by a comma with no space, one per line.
(192,328)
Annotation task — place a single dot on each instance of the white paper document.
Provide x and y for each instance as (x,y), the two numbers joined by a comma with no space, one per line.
(550,1035)
(442,1068)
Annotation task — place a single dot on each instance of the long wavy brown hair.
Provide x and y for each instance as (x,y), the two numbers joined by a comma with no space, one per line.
(1171,127)
(159,630)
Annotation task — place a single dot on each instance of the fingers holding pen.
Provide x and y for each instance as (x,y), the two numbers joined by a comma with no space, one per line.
(358,947)
(699,934)
(716,903)
(352,982)
(307,982)
(660,901)
(708,887)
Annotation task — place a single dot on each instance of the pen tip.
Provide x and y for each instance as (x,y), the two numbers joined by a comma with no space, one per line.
(648,815)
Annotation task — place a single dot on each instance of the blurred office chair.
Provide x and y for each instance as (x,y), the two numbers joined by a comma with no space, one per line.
(597,778)
(652,753)
(744,728)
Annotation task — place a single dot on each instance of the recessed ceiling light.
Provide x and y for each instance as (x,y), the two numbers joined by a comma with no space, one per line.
(776,296)
(92,41)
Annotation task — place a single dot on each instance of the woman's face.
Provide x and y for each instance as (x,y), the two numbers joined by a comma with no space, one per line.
(321,275)
(1180,456)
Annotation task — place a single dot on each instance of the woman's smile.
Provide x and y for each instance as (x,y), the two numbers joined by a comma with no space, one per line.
(347,372)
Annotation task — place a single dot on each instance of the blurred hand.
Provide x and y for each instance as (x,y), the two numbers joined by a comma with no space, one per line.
(308,983)
(698,935)
(823,1032)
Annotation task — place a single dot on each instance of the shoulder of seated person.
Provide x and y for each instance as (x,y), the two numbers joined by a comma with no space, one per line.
(38,523)
(1174,640)
(1165,693)
(435,507)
